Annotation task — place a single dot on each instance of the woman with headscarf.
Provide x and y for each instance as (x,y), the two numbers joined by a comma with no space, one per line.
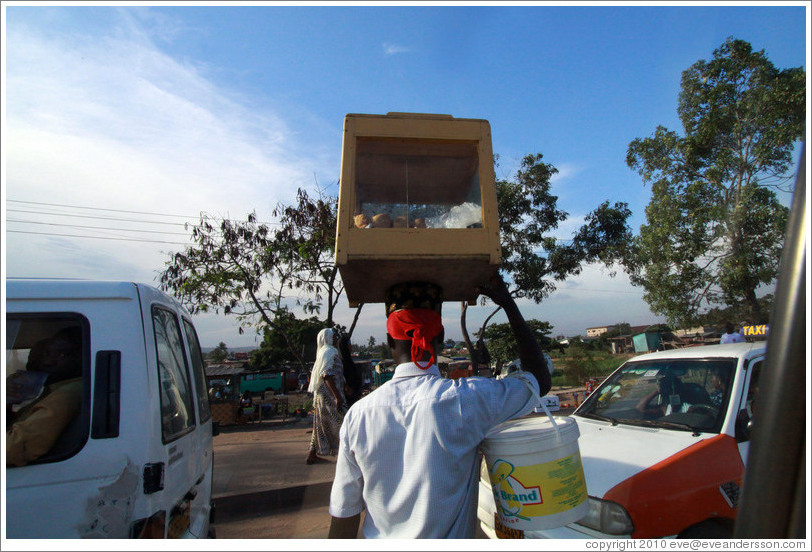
(353,388)
(329,403)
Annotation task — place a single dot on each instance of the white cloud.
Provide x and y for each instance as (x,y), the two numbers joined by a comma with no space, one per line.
(593,298)
(391,49)
(117,122)
(110,121)
(565,171)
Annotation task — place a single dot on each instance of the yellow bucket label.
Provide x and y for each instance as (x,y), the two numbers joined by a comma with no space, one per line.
(525,492)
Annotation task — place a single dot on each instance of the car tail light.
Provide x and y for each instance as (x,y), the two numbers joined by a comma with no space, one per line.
(149,528)
(179,520)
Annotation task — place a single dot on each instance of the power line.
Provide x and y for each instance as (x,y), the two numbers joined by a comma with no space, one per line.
(95,217)
(93,237)
(118,211)
(97,227)
(102,209)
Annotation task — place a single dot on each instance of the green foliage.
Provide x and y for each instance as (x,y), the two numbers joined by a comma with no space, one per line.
(715,227)
(528,212)
(582,364)
(246,269)
(231,266)
(533,259)
(618,329)
(226,268)
(288,333)
(219,353)
(501,340)
(305,244)
(382,350)
(737,313)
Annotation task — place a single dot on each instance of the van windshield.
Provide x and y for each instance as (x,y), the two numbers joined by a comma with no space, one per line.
(688,395)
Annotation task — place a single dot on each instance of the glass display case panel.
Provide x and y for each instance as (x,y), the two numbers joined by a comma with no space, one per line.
(411,183)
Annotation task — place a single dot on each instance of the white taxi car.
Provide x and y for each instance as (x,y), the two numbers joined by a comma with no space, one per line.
(664,442)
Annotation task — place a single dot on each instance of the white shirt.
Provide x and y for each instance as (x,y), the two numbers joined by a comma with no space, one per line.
(734,337)
(409,451)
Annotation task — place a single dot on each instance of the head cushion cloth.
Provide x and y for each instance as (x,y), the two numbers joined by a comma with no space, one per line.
(420,326)
(418,306)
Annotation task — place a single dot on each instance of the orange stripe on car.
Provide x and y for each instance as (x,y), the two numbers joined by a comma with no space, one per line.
(681,490)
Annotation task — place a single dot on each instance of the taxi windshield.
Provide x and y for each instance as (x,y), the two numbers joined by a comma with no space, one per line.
(687,395)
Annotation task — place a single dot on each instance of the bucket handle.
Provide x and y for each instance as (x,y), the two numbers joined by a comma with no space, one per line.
(555,425)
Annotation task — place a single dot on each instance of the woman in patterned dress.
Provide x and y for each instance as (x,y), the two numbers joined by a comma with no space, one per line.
(329,403)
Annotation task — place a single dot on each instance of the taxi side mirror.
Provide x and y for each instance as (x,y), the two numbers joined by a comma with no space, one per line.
(744,425)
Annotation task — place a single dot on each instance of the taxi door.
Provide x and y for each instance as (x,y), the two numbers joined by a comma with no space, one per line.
(745,407)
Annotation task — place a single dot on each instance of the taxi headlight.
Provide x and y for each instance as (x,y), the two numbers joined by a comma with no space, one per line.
(607,517)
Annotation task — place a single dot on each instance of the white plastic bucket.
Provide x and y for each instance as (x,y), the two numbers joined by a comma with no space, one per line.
(536,473)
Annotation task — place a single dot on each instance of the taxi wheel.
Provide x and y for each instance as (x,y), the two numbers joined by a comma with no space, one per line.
(707,530)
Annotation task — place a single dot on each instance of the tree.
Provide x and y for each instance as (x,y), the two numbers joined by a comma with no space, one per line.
(715,227)
(306,243)
(717,316)
(219,353)
(299,335)
(618,329)
(531,258)
(502,342)
(246,269)
(231,266)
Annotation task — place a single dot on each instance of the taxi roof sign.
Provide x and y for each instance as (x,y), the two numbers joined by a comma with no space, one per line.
(756,331)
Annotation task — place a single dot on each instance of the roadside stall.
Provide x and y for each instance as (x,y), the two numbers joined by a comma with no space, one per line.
(224,392)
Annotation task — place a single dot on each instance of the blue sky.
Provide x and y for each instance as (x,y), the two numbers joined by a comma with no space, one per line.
(174,110)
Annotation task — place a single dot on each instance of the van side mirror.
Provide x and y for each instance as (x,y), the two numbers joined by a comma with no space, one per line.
(215,429)
(744,425)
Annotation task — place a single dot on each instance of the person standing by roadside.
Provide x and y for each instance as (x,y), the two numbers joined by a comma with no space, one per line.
(731,335)
(329,402)
(409,450)
(353,388)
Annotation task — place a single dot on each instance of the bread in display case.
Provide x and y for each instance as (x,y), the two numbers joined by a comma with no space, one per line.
(417,201)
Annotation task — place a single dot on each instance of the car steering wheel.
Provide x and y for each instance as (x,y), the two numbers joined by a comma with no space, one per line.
(705,409)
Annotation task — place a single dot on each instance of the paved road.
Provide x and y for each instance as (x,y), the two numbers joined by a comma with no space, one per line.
(262,487)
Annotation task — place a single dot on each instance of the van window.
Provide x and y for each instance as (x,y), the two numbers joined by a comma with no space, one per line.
(177,413)
(47,387)
(199,372)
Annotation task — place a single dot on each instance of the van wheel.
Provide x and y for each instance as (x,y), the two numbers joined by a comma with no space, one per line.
(707,530)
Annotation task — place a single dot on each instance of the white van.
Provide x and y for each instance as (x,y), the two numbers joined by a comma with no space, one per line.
(117,440)
(663,442)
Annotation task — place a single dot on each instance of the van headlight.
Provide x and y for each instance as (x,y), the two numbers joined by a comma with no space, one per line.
(607,517)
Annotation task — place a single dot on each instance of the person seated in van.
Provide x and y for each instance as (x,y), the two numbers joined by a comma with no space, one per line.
(719,385)
(36,426)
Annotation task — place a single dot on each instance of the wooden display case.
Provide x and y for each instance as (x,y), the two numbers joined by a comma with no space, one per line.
(417,201)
